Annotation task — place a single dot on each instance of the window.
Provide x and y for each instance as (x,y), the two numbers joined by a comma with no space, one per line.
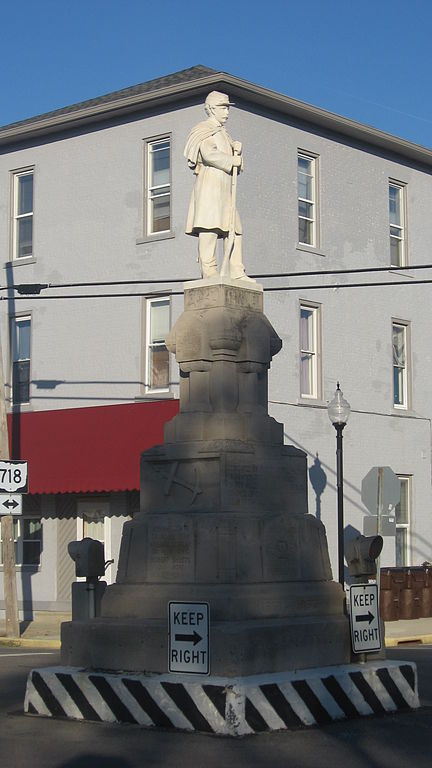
(397,224)
(403,515)
(400,364)
(157,356)
(307,208)
(20,355)
(22,215)
(310,374)
(28,540)
(158,186)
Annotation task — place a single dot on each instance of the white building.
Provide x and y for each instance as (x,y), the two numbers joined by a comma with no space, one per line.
(93,202)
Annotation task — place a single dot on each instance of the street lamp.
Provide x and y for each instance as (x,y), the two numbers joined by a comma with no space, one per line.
(339,411)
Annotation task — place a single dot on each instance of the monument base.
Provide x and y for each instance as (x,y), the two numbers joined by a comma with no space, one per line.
(232,706)
(236,648)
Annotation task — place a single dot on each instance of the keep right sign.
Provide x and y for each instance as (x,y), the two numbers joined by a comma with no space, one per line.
(364,618)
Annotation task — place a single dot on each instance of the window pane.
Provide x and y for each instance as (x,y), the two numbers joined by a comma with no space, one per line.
(395,252)
(398,345)
(401,509)
(305,164)
(32,529)
(395,204)
(25,237)
(31,552)
(22,340)
(305,186)
(305,209)
(306,375)
(305,231)
(159,164)
(25,194)
(94,525)
(159,367)
(159,321)
(401,547)
(160,215)
(21,381)
(306,329)
(398,381)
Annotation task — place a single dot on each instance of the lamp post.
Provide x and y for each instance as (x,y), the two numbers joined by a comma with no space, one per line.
(339,411)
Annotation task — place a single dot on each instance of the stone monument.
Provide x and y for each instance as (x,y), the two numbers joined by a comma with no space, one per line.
(223,515)
(223,521)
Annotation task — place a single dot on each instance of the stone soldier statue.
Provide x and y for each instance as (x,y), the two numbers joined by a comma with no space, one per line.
(213,156)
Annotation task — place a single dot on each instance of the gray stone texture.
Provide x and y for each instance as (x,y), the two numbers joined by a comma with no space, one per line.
(223,515)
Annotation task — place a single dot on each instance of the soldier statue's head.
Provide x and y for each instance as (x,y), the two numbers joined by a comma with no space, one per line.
(217,105)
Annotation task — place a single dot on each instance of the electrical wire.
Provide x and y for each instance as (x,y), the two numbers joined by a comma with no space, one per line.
(270,289)
(267,275)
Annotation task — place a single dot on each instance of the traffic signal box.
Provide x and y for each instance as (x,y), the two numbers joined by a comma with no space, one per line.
(362,554)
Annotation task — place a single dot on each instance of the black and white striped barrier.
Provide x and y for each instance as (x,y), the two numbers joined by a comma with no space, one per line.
(228,706)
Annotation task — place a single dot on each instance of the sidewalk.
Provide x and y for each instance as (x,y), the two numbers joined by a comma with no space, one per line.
(44,631)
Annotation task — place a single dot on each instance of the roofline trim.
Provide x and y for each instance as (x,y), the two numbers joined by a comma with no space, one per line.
(255,93)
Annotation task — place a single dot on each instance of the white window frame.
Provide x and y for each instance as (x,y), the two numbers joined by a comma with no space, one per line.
(14,321)
(406,526)
(152,192)
(149,346)
(313,201)
(17,217)
(403,367)
(314,351)
(85,506)
(19,542)
(398,230)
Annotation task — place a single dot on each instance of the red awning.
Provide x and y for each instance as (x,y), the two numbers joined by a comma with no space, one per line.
(85,450)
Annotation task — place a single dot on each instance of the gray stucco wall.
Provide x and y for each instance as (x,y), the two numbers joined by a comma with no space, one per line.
(89,227)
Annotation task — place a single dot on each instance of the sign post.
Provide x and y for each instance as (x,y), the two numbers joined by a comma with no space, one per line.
(380,492)
(189,638)
(364,618)
(13,482)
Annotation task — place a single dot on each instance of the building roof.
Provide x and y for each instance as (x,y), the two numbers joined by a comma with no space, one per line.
(87,450)
(194,82)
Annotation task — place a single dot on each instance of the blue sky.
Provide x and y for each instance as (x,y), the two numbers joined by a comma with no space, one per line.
(367,60)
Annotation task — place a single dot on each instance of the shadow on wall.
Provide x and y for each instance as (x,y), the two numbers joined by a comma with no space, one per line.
(318,479)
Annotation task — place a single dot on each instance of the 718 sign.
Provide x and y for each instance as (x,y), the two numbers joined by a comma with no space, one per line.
(13,477)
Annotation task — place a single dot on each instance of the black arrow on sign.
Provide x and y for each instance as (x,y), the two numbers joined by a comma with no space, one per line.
(195,638)
(369,617)
(10,503)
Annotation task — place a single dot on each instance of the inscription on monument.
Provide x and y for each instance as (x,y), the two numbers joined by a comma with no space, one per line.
(170,551)
(208,296)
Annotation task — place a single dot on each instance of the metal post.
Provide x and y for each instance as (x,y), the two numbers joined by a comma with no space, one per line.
(91,599)
(339,476)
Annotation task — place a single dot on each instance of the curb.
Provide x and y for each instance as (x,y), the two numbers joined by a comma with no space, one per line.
(23,642)
(392,642)
(228,706)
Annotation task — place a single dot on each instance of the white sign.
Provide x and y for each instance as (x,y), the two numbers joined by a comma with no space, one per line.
(10,504)
(189,638)
(364,617)
(13,477)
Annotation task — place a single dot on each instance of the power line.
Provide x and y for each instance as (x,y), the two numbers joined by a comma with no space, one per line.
(35,288)
(270,289)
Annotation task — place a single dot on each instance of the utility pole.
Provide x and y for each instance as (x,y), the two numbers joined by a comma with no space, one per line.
(7,528)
